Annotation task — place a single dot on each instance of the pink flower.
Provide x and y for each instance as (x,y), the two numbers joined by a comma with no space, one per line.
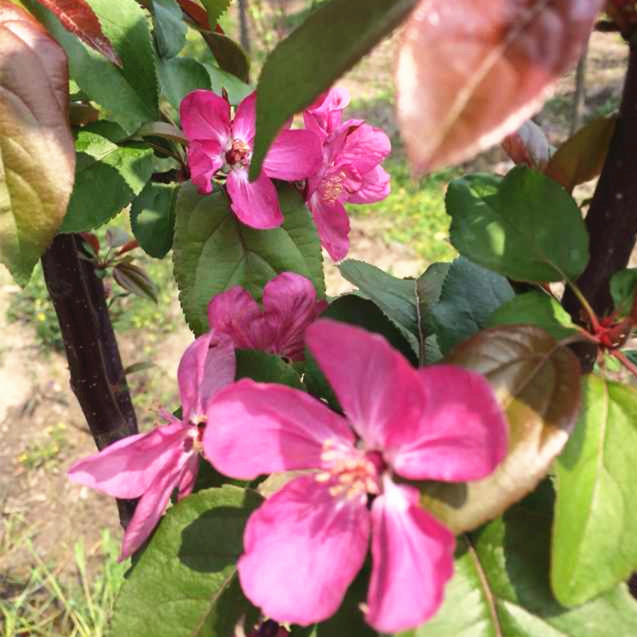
(350,173)
(304,546)
(218,144)
(289,306)
(151,466)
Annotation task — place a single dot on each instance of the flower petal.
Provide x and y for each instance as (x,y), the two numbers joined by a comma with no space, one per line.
(189,476)
(375,187)
(257,428)
(128,467)
(412,559)
(151,506)
(332,225)
(257,203)
(364,146)
(244,123)
(290,301)
(205,115)
(232,312)
(325,114)
(207,365)
(303,548)
(204,160)
(462,434)
(294,155)
(378,389)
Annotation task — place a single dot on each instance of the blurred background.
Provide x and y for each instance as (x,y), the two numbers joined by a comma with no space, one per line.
(58,541)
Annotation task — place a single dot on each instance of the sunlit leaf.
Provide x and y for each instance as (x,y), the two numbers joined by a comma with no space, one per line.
(185,582)
(594,539)
(471,71)
(37,158)
(537,383)
(525,227)
(213,251)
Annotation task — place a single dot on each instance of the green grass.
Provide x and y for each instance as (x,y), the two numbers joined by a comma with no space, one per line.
(47,603)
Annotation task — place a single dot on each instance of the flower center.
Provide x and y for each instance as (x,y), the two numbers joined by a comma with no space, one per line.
(351,473)
(332,188)
(194,441)
(238,153)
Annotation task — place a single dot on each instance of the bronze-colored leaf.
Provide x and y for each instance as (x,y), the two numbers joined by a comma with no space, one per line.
(37,156)
(471,71)
(79,18)
(581,157)
(537,382)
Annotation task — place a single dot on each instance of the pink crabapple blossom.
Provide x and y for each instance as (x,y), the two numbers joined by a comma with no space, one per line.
(150,466)
(306,543)
(289,306)
(217,143)
(350,171)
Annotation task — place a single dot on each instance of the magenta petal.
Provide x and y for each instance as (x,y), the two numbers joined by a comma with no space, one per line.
(189,476)
(332,225)
(324,115)
(294,155)
(128,467)
(233,312)
(243,125)
(412,559)
(257,428)
(375,187)
(257,203)
(204,160)
(207,365)
(151,506)
(462,434)
(364,146)
(378,389)
(303,548)
(290,299)
(205,115)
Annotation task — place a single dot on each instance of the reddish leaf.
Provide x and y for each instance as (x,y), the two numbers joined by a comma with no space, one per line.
(581,157)
(528,145)
(537,383)
(77,17)
(471,71)
(196,13)
(92,243)
(37,155)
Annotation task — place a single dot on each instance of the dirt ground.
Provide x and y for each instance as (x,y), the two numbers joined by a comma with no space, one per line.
(39,415)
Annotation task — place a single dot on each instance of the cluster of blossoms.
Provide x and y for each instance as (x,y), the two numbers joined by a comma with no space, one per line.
(334,162)
(305,544)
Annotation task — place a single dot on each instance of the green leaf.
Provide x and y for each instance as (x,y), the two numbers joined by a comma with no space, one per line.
(535,308)
(395,297)
(215,9)
(36,147)
(107,178)
(135,280)
(185,582)
(501,588)
(529,229)
(180,76)
(213,251)
(266,368)
(128,94)
(623,289)
(170,28)
(308,61)
(537,384)
(220,80)
(468,296)
(594,534)
(152,218)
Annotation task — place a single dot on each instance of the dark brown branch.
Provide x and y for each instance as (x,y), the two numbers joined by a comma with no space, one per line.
(97,376)
(612,217)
